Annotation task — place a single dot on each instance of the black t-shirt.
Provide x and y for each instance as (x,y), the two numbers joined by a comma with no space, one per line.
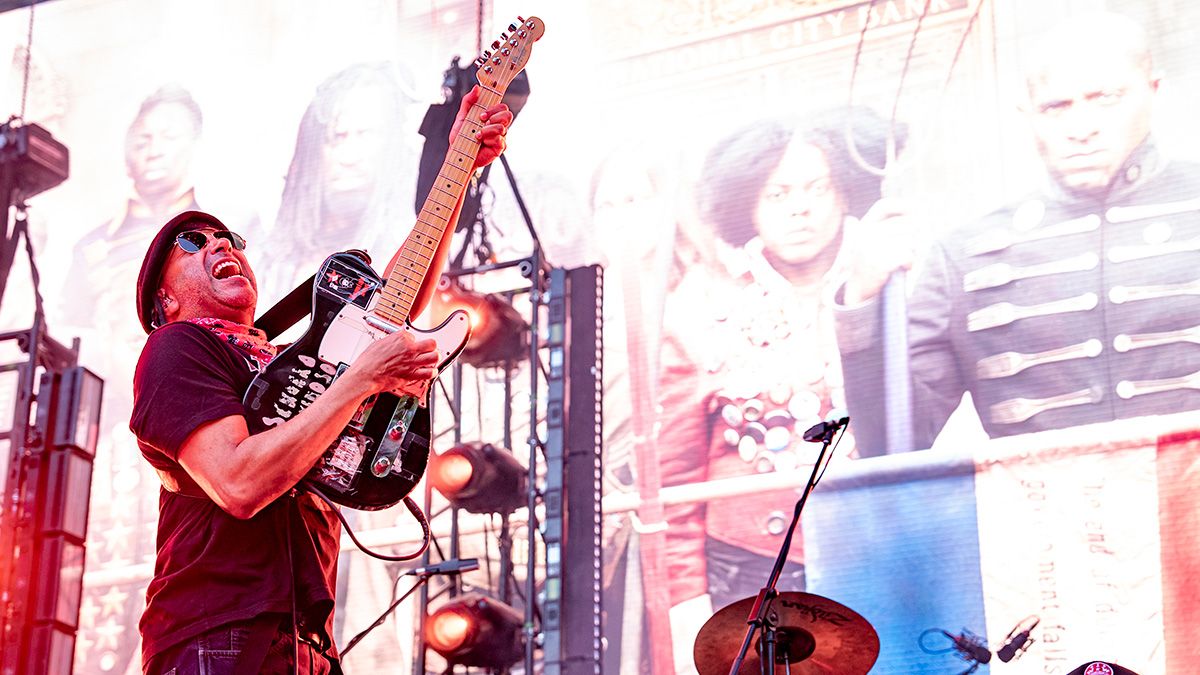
(212,568)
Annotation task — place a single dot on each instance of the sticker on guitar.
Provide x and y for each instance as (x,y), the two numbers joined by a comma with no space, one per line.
(345,283)
(305,385)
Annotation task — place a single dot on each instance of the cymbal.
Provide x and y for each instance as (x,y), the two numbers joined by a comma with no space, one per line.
(822,636)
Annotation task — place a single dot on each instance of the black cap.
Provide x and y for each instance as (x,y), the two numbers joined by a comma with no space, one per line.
(156,256)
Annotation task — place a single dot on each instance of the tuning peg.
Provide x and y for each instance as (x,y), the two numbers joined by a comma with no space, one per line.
(478,61)
(504,36)
(520,19)
(521,34)
(512,27)
(496,44)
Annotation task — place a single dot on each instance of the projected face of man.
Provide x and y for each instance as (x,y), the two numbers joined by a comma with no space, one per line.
(799,212)
(353,149)
(1091,101)
(159,151)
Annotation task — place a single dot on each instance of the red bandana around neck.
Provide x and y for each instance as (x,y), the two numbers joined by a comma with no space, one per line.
(247,339)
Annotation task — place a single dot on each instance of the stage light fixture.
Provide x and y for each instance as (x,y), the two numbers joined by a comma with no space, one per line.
(499,334)
(475,630)
(479,478)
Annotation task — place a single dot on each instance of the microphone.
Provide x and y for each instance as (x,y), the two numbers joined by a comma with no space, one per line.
(970,647)
(1015,645)
(836,419)
(455,566)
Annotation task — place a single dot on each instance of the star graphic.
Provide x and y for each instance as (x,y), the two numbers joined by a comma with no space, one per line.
(113,602)
(89,612)
(108,634)
(333,277)
(83,645)
(116,537)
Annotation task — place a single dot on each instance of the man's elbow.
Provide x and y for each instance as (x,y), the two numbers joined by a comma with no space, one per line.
(241,502)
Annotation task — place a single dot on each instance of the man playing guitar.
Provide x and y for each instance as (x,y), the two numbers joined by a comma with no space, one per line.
(245,573)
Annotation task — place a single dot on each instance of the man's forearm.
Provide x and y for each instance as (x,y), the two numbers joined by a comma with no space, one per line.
(266,465)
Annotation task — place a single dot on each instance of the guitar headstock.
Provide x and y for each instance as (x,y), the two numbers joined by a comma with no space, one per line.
(498,66)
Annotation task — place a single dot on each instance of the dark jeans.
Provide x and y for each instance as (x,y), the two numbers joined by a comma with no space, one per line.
(259,646)
(735,574)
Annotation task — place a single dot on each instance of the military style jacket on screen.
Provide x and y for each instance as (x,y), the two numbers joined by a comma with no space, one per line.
(1055,312)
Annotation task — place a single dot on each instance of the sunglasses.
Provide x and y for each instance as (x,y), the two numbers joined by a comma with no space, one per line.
(193,241)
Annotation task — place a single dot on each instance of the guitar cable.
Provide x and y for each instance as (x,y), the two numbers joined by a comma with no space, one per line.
(412,508)
(425,539)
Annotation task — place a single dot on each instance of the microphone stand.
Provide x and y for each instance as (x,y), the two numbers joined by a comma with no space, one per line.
(761,616)
(423,578)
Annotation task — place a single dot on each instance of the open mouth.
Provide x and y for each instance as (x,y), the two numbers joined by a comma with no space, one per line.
(227,269)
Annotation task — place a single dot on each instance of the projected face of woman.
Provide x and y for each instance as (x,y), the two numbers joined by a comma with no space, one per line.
(799,211)
(353,149)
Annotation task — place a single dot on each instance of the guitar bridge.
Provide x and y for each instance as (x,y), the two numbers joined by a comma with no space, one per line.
(391,444)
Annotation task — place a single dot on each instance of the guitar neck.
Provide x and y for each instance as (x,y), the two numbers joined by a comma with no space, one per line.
(415,260)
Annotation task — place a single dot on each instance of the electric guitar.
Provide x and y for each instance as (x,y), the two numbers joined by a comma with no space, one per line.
(380,456)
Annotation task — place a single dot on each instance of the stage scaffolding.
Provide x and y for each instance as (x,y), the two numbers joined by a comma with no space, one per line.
(48,441)
(563,440)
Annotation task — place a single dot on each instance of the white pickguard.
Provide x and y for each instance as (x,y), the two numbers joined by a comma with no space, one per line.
(349,335)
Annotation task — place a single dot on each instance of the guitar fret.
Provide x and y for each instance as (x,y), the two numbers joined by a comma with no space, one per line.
(406,283)
(429,242)
(398,292)
(406,253)
(396,306)
(432,231)
(394,295)
(426,240)
(439,227)
(444,191)
(434,196)
(447,183)
(413,266)
(416,242)
(396,309)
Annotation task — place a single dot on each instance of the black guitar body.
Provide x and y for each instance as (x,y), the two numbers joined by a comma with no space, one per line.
(380,456)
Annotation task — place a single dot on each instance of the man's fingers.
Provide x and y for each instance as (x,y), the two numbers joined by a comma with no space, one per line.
(468,100)
(497,114)
(492,131)
(426,345)
(425,358)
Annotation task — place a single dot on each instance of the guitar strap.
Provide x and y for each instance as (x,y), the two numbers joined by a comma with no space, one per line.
(295,305)
(287,312)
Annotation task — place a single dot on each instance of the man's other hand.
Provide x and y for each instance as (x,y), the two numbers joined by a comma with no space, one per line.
(491,135)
